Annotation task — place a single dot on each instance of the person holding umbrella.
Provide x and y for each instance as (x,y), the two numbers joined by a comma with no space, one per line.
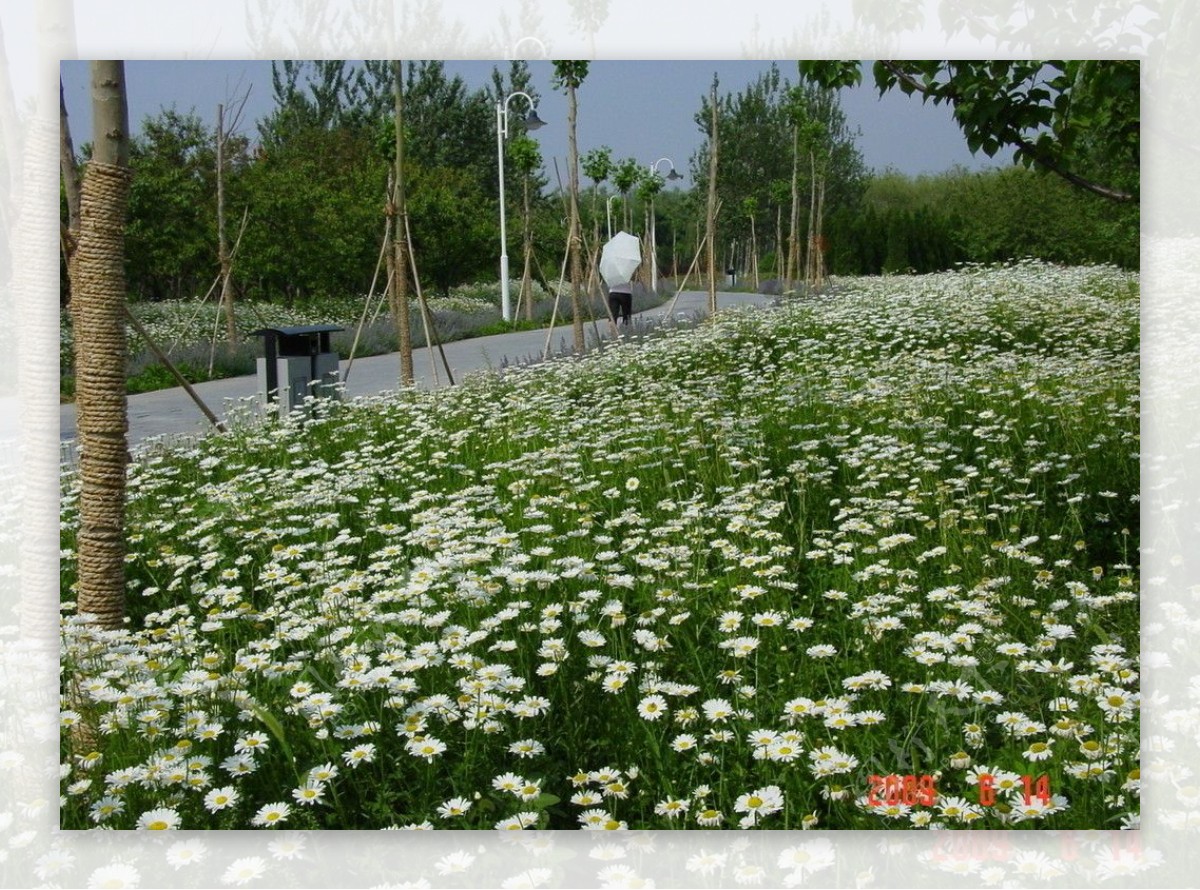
(619,259)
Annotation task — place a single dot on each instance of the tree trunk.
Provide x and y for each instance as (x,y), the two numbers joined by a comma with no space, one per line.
(527,249)
(67,166)
(573,236)
(70,177)
(754,252)
(231,333)
(593,272)
(779,244)
(653,239)
(99,287)
(647,248)
(793,260)
(710,216)
(810,263)
(389,239)
(820,239)
(400,308)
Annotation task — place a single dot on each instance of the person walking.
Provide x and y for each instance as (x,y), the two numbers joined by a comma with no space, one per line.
(620,302)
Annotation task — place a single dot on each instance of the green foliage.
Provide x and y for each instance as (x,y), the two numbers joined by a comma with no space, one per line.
(452,225)
(519,80)
(929,223)
(320,94)
(317,207)
(568,75)
(525,154)
(677,230)
(757,136)
(1015,212)
(1077,119)
(445,124)
(507,327)
(154,377)
(649,185)
(316,185)
(171,238)
(597,164)
(626,175)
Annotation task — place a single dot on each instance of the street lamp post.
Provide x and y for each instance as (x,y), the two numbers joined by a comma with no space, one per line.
(653,240)
(532,122)
(608,207)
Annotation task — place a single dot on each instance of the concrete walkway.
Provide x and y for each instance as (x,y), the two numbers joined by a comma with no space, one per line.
(171,413)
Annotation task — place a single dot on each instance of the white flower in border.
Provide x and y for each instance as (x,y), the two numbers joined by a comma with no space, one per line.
(186,853)
(220,798)
(517,822)
(758,804)
(162,819)
(117,874)
(455,806)
(652,707)
(270,815)
(244,870)
(427,748)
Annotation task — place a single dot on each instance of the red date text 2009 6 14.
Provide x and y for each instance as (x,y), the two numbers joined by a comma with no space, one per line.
(910,790)
(894,790)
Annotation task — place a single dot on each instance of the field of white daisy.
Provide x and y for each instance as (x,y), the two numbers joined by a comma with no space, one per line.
(864,561)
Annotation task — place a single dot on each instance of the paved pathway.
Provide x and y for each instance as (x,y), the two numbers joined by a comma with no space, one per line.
(172,413)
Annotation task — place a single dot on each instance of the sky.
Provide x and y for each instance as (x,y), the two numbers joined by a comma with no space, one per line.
(642,109)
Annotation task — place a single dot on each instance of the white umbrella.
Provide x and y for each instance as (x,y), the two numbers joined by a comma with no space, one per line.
(620,258)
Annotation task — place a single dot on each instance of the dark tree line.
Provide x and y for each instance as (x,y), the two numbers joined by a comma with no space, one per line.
(930,223)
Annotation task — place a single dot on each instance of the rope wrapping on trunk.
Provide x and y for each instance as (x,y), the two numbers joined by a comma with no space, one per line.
(102,416)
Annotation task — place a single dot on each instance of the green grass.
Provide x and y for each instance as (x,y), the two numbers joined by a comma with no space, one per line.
(753,564)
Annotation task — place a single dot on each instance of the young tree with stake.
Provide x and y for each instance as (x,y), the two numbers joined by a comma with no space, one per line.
(568,75)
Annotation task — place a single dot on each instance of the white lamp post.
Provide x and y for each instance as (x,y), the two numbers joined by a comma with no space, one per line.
(653,241)
(532,122)
(608,207)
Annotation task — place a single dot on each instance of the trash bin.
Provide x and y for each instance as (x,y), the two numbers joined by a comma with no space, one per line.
(732,279)
(297,362)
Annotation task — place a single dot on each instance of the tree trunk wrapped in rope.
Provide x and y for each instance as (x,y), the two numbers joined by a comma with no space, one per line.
(99,292)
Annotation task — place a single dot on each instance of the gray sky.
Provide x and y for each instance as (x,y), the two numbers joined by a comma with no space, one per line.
(642,109)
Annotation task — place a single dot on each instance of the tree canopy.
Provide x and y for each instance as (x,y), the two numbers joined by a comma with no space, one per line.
(1079,120)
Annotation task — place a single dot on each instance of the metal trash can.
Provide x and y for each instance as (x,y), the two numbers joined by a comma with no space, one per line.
(297,362)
